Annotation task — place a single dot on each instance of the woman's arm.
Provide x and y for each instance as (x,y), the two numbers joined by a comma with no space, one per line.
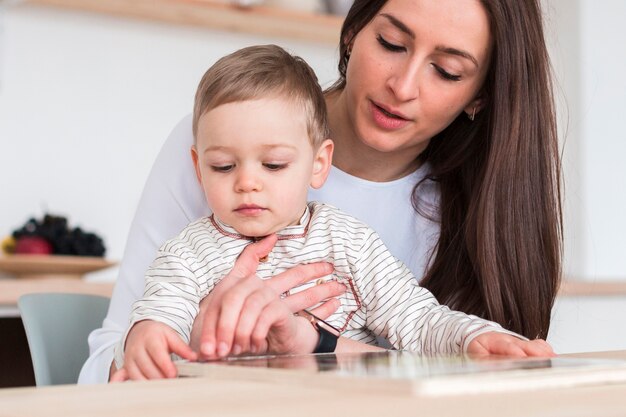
(171,199)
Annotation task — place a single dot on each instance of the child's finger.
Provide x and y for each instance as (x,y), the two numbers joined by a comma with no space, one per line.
(507,346)
(538,348)
(179,347)
(163,361)
(146,366)
(134,373)
(494,343)
(547,347)
(120,375)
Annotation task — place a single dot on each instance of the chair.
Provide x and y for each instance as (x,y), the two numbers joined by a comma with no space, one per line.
(57,327)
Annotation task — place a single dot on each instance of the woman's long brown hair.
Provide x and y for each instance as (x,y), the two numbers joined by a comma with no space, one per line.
(500,245)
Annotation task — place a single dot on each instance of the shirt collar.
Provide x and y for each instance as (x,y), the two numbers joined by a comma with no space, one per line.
(290,232)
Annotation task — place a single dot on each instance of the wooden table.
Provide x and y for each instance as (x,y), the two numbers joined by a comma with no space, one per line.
(48,273)
(204,396)
(12,289)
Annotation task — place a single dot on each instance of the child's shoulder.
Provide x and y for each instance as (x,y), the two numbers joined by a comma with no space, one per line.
(335,218)
(188,238)
(320,209)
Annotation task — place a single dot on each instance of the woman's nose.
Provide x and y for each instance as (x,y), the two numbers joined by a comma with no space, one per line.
(404,82)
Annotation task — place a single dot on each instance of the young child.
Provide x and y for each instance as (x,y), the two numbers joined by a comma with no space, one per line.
(261,134)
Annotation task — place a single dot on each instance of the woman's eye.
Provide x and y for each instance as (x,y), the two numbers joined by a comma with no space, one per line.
(275,167)
(222,168)
(446,75)
(390,46)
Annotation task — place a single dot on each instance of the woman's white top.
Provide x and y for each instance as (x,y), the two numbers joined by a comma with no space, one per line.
(172,198)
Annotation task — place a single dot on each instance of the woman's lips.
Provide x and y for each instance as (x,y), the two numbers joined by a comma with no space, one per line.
(386,119)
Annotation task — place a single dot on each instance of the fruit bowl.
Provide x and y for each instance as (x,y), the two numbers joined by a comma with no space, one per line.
(51,266)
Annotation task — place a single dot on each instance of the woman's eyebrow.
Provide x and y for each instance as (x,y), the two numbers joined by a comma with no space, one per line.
(446,50)
(397,23)
(457,52)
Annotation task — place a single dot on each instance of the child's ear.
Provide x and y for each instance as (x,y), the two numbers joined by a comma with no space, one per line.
(196,162)
(321,163)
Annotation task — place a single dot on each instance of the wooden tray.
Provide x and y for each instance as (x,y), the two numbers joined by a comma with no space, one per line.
(51,266)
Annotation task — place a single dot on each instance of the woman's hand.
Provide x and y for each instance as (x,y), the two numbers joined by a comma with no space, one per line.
(147,352)
(244,313)
(495,343)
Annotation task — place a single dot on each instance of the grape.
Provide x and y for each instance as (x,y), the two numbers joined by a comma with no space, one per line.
(64,240)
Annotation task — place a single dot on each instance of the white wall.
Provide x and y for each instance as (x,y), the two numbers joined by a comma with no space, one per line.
(588,324)
(603,148)
(85,104)
(562,19)
(586,39)
(587,45)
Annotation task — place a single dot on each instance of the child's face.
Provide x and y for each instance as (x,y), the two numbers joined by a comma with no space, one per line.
(255,163)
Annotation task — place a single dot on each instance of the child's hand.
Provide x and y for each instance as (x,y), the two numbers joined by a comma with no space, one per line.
(495,343)
(147,352)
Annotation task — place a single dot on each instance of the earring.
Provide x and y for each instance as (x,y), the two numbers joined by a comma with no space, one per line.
(348,52)
(473,115)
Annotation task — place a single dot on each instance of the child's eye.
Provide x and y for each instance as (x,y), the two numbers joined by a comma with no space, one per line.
(274,167)
(222,168)
(390,46)
(446,75)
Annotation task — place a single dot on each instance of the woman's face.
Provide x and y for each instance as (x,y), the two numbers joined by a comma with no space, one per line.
(413,69)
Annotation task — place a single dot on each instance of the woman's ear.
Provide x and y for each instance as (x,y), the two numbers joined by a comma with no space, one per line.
(196,162)
(348,41)
(321,163)
(475,106)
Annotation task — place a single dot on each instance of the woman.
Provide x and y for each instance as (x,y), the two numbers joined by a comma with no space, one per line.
(445,143)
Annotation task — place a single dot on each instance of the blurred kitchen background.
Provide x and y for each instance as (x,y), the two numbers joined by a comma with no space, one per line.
(87,98)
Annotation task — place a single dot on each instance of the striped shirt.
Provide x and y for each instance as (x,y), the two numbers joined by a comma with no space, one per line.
(383,298)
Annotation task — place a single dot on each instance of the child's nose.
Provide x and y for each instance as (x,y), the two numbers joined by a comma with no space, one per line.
(247,181)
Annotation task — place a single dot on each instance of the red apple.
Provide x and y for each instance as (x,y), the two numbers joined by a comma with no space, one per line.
(33,245)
